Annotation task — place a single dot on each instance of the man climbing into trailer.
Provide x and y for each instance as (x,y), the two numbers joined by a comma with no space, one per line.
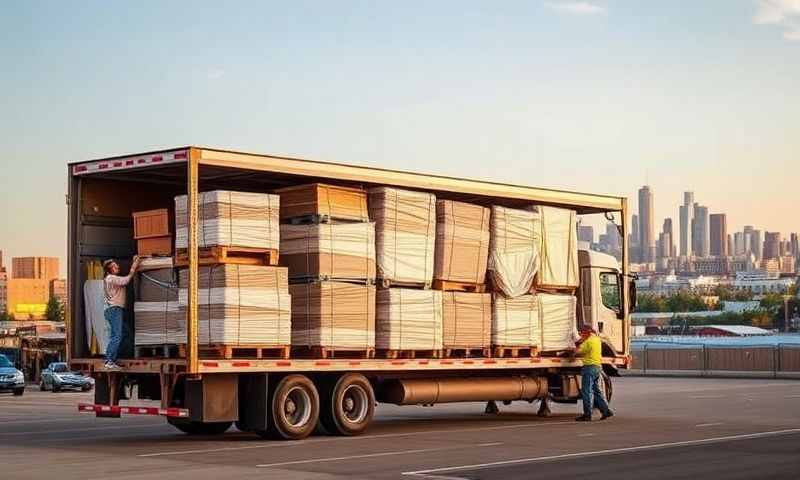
(589,348)
(114,289)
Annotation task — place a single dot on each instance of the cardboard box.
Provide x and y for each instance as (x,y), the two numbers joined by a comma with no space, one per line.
(408,319)
(462,242)
(343,203)
(329,251)
(333,315)
(466,319)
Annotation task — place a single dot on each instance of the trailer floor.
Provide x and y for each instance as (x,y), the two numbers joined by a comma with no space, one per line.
(664,428)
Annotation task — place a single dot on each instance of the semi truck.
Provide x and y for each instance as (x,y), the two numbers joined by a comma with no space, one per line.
(288,398)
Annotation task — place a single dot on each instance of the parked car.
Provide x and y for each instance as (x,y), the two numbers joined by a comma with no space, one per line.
(11,379)
(57,376)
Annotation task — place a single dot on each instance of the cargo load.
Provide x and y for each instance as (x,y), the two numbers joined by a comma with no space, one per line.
(240,304)
(318,201)
(515,321)
(231,219)
(558,259)
(559,324)
(152,232)
(462,242)
(514,250)
(408,319)
(343,251)
(333,315)
(405,234)
(158,317)
(466,320)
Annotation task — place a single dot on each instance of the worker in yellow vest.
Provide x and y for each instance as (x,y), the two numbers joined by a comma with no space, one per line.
(589,349)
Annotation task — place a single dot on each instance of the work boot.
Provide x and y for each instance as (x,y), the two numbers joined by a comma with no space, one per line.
(607,415)
(584,418)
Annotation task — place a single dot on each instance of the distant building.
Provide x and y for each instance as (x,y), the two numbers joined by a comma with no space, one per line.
(686,214)
(754,237)
(647,240)
(27,298)
(794,241)
(58,289)
(742,263)
(730,331)
(718,266)
(669,236)
(3,290)
(718,235)
(772,245)
(40,268)
(760,282)
(700,232)
(586,233)
(787,264)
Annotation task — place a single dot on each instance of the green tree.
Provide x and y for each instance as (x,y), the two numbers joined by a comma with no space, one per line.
(5,316)
(55,310)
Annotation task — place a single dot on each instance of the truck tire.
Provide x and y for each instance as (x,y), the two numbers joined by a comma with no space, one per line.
(294,409)
(606,386)
(348,405)
(200,428)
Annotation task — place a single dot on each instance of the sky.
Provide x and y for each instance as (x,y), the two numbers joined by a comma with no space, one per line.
(596,96)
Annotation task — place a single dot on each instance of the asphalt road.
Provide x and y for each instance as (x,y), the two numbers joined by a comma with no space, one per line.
(664,428)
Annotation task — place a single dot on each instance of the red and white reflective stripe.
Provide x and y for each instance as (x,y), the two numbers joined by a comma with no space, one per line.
(130,162)
(132,410)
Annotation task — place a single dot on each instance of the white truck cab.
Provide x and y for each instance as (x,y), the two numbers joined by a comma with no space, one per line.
(600,298)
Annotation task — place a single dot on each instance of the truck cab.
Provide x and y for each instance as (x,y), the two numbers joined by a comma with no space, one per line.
(601,297)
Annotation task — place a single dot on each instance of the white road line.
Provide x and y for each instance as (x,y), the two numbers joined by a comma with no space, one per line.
(342,439)
(792,396)
(373,455)
(586,434)
(612,451)
(701,425)
(704,397)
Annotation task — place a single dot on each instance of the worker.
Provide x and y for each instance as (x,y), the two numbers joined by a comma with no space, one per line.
(589,348)
(114,289)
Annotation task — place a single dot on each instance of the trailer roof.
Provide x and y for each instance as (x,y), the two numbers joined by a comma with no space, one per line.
(285,170)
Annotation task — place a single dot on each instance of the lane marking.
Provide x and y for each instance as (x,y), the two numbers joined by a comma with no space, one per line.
(701,425)
(612,451)
(704,397)
(373,455)
(586,434)
(792,396)
(343,439)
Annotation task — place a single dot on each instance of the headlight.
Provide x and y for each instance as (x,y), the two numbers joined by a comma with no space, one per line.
(19,377)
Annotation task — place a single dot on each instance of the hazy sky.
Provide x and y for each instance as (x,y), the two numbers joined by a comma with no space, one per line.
(600,96)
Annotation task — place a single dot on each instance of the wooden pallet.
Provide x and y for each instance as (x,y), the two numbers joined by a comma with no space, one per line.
(168,350)
(459,286)
(396,354)
(231,255)
(514,352)
(311,219)
(451,351)
(325,278)
(330,353)
(241,351)
(387,283)
(553,290)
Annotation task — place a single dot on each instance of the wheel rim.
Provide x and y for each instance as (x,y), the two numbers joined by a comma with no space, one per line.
(355,404)
(297,407)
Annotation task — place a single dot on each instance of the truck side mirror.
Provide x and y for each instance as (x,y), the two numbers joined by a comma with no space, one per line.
(632,294)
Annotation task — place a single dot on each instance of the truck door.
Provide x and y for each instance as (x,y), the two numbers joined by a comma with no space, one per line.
(608,292)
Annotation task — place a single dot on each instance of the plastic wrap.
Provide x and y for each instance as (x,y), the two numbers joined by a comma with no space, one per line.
(559,323)
(462,242)
(405,234)
(329,250)
(240,304)
(228,218)
(96,324)
(466,319)
(408,319)
(515,321)
(558,265)
(333,315)
(514,250)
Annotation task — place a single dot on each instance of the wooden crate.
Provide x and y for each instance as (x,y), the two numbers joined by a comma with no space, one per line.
(324,201)
(155,246)
(231,255)
(151,223)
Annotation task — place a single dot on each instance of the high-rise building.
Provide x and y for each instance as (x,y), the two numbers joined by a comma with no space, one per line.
(2,266)
(633,240)
(39,268)
(730,245)
(3,291)
(739,247)
(718,235)
(647,238)
(667,228)
(586,233)
(772,249)
(663,245)
(686,214)
(700,233)
(755,241)
(795,243)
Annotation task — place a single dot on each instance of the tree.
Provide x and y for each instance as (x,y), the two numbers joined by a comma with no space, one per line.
(5,316)
(55,310)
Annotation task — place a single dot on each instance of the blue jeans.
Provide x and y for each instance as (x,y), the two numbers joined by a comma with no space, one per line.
(590,390)
(114,318)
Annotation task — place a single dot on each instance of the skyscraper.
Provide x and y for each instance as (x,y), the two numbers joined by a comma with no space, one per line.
(39,268)
(700,233)
(730,245)
(633,240)
(794,241)
(772,245)
(756,244)
(667,229)
(718,235)
(646,228)
(739,246)
(686,214)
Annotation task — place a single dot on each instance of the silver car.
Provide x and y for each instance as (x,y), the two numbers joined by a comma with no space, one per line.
(57,376)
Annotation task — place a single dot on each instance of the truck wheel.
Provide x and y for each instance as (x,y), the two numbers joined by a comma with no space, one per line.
(294,409)
(606,386)
(200,428)
(348,407)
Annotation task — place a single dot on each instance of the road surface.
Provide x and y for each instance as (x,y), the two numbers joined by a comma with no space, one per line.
(664,428)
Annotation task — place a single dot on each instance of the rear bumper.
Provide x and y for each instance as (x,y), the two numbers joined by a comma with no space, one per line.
(117,410)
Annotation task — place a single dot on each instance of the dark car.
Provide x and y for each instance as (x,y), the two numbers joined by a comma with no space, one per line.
(57,376)
(11,379)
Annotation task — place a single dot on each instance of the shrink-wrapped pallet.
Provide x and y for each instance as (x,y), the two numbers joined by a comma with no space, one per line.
(466,320)
(156,310)
(231,219)
(405,234)
(343,251)
(514,250)
(462,242)
(515,321)
(322,200)
(408,319)
(241,304)
(334,315)
(558,317)
(558,260)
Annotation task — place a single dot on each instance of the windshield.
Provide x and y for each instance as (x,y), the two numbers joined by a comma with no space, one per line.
(60,368)
(5,362)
